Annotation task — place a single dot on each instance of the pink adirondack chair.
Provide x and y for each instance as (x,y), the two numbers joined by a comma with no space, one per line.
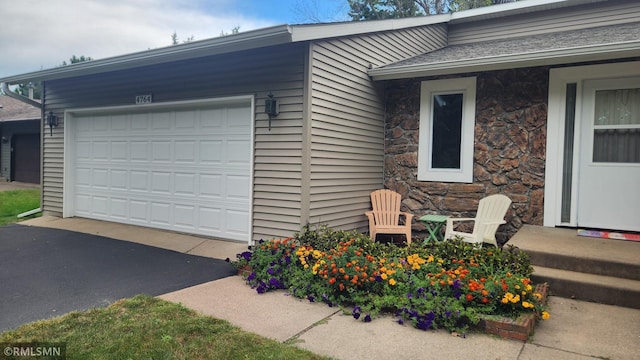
(490,215)
(385,216)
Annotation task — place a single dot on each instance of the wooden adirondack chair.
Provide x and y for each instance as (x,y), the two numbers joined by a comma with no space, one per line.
(385,216)
(490,215)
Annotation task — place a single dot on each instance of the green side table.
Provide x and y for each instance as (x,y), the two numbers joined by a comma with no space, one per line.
(434,223)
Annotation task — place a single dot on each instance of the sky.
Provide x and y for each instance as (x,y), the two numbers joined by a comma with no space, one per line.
(41,34)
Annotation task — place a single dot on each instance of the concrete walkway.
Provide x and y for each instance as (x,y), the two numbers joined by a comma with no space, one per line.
(577,330)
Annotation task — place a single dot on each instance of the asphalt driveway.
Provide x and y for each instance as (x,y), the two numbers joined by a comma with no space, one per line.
(47,272)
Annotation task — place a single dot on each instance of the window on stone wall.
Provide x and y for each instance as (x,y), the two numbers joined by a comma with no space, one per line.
(447,119)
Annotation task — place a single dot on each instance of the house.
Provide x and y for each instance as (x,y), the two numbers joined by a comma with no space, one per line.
(188,138)
(19,141)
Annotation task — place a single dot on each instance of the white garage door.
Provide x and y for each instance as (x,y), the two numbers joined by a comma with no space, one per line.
(182,169)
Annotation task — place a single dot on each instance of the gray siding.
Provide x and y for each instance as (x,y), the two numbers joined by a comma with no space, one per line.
(564,19)
(346,148)
(277,161)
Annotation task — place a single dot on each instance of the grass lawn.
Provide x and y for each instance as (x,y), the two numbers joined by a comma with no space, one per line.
(144,327)
(16,202)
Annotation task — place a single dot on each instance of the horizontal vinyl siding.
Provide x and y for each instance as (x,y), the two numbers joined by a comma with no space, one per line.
(277,152)
(347,132)
(564,19)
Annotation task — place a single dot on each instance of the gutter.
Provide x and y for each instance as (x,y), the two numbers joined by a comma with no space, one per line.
(536,58)
(5,89)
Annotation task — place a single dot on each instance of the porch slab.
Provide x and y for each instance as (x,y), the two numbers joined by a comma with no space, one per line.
(562,248)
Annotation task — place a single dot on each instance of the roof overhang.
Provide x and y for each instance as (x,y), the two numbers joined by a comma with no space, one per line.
(621,50)
(224,44)
(282,34)
(276,35)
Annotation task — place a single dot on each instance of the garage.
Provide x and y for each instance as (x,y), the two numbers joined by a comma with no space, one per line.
(184,167)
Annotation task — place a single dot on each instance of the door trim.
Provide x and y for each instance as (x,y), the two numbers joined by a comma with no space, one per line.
(558,80)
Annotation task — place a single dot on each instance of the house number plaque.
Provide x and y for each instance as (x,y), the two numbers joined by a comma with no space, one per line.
(144,99)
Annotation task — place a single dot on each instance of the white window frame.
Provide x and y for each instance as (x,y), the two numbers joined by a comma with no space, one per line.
(467,87)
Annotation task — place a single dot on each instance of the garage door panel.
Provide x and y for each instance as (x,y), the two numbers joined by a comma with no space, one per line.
(139,150)
(161,182)
(181,170)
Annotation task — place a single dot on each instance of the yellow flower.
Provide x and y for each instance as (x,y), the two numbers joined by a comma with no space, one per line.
(537,296)
(545,315)
(306,266)
(515,299)
(392,282)
(383,276)
(430,258)
(527,305)
(529,287)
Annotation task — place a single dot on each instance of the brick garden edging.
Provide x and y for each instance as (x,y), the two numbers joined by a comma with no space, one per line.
(515,329)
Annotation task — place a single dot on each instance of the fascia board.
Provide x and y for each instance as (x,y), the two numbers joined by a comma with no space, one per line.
(513,8)
(224,44)
(331,30)
(540,58)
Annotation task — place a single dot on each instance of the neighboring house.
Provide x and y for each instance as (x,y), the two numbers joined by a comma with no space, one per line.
(177,138)
(19,141)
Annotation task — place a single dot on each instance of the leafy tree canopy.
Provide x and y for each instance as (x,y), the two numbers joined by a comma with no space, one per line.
(393,9)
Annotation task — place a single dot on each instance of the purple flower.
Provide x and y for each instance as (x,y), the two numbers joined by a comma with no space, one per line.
(262,288)
(367,318)
(251,276)
(401,321)
(227,260)
(311,298)
(246,255)
(456,284)
(260,241)
(270,271)
(356,312)
(273,282)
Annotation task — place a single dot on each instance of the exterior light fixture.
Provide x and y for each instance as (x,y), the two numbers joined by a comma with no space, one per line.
(52,121)
(271,108)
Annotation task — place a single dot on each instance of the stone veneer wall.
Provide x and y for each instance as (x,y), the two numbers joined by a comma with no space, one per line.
(510,136)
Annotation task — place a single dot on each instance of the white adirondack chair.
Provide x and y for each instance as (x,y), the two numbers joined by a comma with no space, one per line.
(385,216)
(490,215)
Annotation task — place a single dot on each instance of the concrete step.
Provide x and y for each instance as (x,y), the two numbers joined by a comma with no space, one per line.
(564,249)
(589,287)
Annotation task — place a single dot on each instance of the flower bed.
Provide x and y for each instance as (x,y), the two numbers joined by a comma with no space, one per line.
(451,285)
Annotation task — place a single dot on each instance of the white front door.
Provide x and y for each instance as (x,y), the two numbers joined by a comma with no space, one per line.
(609,155)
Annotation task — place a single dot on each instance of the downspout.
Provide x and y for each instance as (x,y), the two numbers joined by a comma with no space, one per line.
(5,89)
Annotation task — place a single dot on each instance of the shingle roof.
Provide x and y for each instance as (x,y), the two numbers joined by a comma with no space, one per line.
(522,46)
(14,110)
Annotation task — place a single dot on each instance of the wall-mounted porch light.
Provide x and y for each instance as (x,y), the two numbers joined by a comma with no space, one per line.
(52,121)
(271,108)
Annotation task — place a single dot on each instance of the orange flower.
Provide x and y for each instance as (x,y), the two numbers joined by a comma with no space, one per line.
(469,297)
(332,281)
